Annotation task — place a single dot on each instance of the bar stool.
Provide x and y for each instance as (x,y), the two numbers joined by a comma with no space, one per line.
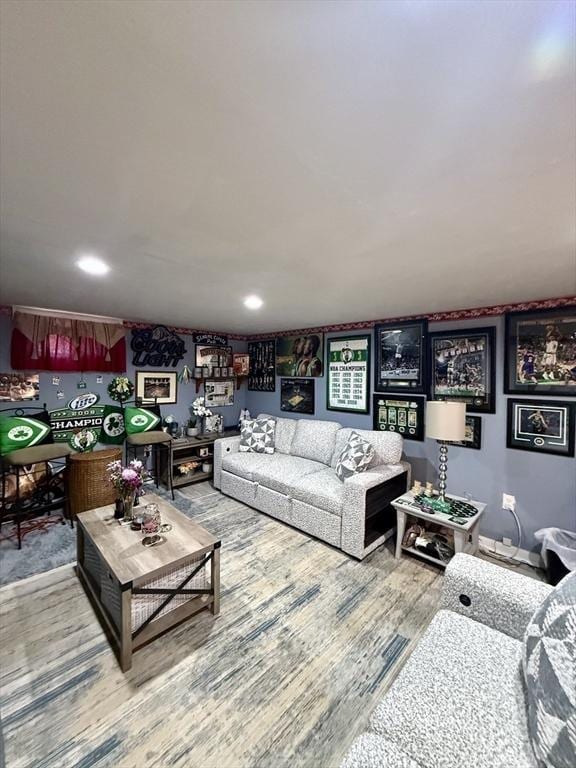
(46,496)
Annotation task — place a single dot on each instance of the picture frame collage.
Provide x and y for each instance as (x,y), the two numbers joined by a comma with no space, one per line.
(412,365)
(299,360)
(408,365)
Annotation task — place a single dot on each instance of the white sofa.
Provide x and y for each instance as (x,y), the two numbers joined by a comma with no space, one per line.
(298,485)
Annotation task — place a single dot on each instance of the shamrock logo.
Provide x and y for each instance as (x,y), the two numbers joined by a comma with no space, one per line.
(19,434)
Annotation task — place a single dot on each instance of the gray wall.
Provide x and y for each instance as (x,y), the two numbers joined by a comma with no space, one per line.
(186,392)
(544,485)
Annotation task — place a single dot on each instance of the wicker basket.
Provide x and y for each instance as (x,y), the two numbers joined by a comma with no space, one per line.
(88,486)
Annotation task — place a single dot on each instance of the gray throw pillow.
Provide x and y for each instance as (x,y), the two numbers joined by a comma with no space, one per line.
(549,664)
(257,435)
(355,456)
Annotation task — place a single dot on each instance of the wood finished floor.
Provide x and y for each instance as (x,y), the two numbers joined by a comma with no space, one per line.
(307,642)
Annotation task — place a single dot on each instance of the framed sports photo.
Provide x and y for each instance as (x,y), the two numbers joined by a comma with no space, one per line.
(300,355)
(400,356)
(262,366)
(400,413)
(297,395)
(348,379)
(462,367)
(158,387)
(544,426)
(540,352)
(473,433)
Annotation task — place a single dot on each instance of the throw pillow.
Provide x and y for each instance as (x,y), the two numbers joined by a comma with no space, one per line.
(138,420)
(355,456)
(112,431)
(257,435)
(549,664)
(18,432)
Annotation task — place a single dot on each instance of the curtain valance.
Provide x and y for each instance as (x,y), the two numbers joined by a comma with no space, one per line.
(62,343)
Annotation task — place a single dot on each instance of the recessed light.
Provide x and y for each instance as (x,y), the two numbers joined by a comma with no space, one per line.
(253,302)
(92,265)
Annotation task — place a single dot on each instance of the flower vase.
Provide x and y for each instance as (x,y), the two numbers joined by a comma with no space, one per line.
(129,507)
(119,509)
(200,425)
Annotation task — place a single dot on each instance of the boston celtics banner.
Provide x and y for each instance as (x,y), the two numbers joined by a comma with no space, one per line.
(113,431)
(348,379)
(18,432)
(139,420)
(80,423)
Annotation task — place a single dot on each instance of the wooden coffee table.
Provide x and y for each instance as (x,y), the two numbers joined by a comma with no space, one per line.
(138,592)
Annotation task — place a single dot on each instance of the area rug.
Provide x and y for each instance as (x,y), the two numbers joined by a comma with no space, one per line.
(306,643)
(51,544)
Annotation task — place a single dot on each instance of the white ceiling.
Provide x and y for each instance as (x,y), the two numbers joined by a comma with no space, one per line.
(344,160)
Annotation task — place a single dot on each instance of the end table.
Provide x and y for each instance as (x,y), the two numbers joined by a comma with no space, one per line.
(466,529)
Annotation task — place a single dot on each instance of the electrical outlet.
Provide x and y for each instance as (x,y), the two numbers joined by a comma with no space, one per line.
(509,502)
(506,542)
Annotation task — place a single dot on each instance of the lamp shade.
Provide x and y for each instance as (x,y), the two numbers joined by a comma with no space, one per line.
(445,420)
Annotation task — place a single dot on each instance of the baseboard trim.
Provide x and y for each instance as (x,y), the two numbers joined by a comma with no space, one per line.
(522,555)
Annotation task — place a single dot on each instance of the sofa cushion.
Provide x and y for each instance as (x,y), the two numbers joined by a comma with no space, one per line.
(285,430)
(20,432)
(281,472)
(459,701)
(320,489)
(257,436)
(314,440)
(245,464)
(549,663)
(354,457)
(372,751)
(387,445)
(137,420)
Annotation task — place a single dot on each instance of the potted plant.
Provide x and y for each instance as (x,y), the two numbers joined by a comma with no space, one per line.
(191,429)
(199,411)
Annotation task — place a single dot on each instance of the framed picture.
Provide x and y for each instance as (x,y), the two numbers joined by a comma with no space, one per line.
(159,387)
(473,435)
(400,413)
(241,364)
(211,357)
(16,387)
(218,393)
(300,355)
(462,367)
(297,395)
(400,355)
(545,426)
(348,379)
(540,352)
(262,366)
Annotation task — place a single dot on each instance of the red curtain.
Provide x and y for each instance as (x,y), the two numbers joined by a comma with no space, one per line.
(58,353)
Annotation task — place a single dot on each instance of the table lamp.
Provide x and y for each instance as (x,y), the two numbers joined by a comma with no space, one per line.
(445,421)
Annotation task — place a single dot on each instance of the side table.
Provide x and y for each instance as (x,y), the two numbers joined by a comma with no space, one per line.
(465,529)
